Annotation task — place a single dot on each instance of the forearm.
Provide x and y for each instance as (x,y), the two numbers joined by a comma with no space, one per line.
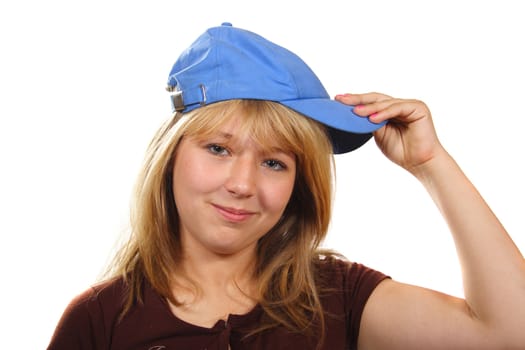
(493,267)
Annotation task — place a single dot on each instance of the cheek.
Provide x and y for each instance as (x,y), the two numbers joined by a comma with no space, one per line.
(277,196)
(191,175)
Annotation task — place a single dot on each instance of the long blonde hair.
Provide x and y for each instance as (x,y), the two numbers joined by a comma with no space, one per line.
(286,255)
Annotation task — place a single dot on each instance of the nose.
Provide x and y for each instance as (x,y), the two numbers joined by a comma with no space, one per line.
(242,177)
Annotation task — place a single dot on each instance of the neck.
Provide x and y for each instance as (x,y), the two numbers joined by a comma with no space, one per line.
(219,270)
(214,286)
(217,273)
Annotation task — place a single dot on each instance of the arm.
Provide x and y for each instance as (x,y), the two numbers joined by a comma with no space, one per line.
(400,316)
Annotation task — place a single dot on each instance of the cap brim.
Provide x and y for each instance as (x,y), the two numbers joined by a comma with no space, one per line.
(347,130)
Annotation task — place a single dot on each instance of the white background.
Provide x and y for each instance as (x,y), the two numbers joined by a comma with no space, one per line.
(82,92)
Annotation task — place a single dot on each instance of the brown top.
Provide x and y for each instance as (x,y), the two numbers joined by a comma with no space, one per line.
(90,320)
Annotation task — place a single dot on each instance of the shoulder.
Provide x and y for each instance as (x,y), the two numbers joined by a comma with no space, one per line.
(90,315)
(346,284)
(336,271)
(107,296)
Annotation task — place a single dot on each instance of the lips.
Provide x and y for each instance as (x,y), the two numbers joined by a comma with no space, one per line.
(233,214)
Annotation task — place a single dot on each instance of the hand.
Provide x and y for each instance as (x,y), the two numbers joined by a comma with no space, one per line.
(409,138)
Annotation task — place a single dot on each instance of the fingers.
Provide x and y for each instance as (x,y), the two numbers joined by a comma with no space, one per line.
(360,99)
(405,111)
(379,107)
(384,110)
(366,105)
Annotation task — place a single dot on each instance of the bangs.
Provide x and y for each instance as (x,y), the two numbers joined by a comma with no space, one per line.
(269,124)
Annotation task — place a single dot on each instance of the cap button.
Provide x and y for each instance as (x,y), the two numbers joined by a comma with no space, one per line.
(226,24)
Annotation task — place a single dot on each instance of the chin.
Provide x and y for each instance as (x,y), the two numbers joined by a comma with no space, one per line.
(228,249)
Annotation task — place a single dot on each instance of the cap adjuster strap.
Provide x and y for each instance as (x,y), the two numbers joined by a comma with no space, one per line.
(180,100)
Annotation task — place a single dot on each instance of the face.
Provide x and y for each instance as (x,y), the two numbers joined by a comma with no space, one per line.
(228,191)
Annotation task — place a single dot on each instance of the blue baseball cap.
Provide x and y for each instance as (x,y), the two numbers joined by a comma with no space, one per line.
(228,63)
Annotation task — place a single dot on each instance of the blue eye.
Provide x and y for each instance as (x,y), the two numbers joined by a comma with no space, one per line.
(216,149)
(275,164)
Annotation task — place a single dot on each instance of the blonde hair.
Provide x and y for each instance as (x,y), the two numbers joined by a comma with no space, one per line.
(286,255)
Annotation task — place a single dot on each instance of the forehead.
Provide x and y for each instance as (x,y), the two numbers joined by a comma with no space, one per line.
(264,127)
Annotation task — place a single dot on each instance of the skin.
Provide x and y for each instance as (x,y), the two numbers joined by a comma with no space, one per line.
(238,191)
(400,316)
(397,315)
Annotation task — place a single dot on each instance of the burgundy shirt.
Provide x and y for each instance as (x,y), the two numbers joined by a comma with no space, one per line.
(91,319)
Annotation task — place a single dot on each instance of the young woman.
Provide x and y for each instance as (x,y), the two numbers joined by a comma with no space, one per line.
(234,199)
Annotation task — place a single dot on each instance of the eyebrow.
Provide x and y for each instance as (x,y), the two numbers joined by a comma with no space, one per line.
(271,149)
(220,134)
(226,135)
(277,149)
